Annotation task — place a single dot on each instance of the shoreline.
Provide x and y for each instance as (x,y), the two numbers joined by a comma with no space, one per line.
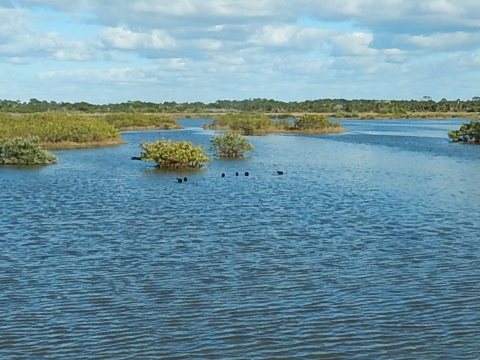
(70,145)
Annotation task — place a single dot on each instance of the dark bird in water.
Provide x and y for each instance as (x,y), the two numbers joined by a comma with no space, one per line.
(136,158)
(185,179)
(223,174)
(247,173)
(279,172)
(179,180)
(236,174)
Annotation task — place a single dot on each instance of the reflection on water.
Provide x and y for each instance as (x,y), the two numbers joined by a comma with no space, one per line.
(367,247)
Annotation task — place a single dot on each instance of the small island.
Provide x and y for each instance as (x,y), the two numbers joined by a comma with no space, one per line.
(468,133)
(141,121)
(259,124)
(60,130)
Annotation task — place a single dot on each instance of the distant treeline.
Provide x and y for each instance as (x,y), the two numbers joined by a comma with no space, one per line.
(334,106)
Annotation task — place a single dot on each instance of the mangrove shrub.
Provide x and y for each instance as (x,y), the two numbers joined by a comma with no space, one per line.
(312,122)
(174,154)
(230,144)
(24,151)
(125,121)
(245,123)
(54,128)
(468,132)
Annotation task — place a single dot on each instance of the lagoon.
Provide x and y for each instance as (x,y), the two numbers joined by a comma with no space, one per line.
(367,247)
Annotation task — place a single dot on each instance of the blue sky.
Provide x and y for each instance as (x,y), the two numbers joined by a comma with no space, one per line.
(105,51)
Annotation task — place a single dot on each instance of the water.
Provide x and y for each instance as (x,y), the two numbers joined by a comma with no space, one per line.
(367,247)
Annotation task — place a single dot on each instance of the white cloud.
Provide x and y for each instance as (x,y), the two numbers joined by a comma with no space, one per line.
(125,39)
(241,43)
(354,44)
(12,21)
(290,36)
(54,45)
(443,42)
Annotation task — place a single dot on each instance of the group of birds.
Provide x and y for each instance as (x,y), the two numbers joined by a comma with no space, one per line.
(246,173)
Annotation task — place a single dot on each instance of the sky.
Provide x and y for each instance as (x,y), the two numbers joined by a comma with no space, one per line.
(110,51)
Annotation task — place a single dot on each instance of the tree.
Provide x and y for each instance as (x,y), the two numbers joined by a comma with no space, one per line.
(173,155)
(230,144)
(24,151)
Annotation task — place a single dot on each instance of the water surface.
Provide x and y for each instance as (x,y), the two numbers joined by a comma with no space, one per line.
(367,247)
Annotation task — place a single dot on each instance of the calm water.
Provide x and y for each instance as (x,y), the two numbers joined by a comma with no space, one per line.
(367,247)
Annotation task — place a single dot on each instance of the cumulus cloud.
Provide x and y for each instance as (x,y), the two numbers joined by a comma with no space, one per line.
(125,39)
(243,42)
(441,42)
(290,36)
(12,21)
(52,45)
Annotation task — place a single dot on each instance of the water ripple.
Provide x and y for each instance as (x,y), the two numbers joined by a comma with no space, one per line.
(359,251)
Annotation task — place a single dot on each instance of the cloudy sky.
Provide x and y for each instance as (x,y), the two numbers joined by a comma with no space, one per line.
(104,51)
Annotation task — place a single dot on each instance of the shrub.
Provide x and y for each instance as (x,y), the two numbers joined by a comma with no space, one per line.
(24,151)
(468,132)
(53,128)
(173,155)
(313,121)
(139,120)
(230,144)
(245,123)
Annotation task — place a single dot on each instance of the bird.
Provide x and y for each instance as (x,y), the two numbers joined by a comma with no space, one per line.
(280,172)
(236,174)
(223,174)
(185,179)
(247,173)
(179,180)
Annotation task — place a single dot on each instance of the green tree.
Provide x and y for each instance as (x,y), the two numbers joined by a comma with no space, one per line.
(24,151)
(230,144)
(173,155)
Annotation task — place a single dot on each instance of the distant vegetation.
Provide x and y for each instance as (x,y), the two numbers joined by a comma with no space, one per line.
(174,154)
(338,107)
(314,123)
(245,123)
(24,151)
(257,124)
(131,121)
(57,130)
(469,132)
(230,145)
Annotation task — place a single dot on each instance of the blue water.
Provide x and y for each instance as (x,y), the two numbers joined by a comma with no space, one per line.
(367,247)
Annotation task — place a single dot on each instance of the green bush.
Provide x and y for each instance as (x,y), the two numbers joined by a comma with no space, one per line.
(56,128)
(313,121)
(173,155)
(468,132)
(24,151)
(245,123)
(230,144)
(123,121)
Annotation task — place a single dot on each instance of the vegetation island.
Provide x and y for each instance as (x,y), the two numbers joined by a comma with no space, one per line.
(259,124)
(468,133)
(27,128)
